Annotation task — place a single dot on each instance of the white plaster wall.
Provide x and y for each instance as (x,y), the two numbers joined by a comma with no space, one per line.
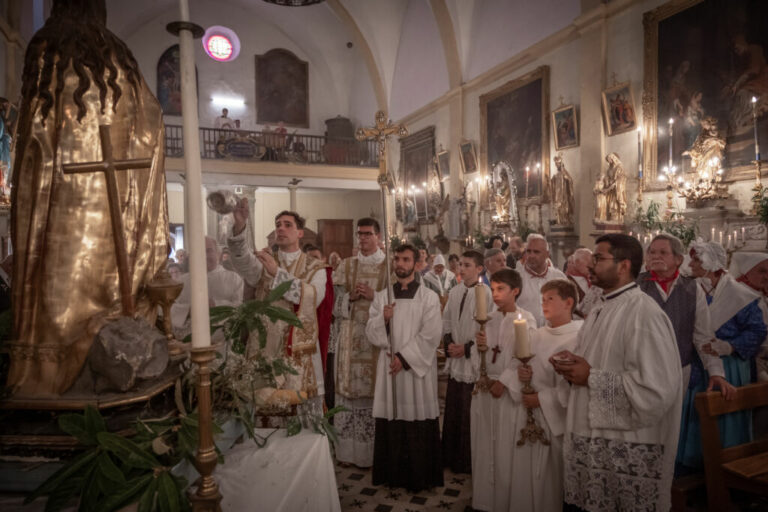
(328,94)
(362,98)
(421,74)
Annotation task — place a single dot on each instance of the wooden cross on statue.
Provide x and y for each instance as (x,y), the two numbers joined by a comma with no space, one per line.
(495,351)
(383,129)
(108,166)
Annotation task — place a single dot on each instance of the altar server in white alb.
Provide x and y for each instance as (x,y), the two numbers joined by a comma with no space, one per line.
(491,438)
(536,475)
(536,271)
(626,393)
(407,437)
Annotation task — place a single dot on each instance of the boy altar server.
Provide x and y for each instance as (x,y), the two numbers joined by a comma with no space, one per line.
(490,464)
(536,476)
(462,363)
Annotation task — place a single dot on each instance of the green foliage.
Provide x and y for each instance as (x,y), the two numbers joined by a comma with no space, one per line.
(675,224)
(116,471)
(762,206)
(649,219)
(524,229)
(395,242)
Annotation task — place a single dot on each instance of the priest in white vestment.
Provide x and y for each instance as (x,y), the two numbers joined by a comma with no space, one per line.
(407,440)
(491,435)
(536,271)
(225,288)
(264,270)
(355,280)
(623,412)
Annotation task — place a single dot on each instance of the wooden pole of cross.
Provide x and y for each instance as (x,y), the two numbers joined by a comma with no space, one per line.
(109,166)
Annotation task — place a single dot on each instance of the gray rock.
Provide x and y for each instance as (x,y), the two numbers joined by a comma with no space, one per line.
(125,351)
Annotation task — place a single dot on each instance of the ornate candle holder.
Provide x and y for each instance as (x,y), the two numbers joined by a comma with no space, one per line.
(531,432)
(163,291)
(758,189)
(483,383)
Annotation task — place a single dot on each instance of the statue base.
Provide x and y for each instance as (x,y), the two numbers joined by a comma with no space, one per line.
(604,228)
(563,241)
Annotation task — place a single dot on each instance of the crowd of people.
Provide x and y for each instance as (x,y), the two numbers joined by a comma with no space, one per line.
(621,341)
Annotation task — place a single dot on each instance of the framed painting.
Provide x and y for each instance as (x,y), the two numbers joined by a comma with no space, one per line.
(468,157)
(169,81)
(444,165)
(418,177)
(514,127)
(705,59)
(619,109)
(282,89)
(565,127)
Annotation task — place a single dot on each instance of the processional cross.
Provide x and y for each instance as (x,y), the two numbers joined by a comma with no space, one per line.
(109,166)
(383,129)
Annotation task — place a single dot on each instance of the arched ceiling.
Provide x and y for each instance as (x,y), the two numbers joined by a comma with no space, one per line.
(413,50)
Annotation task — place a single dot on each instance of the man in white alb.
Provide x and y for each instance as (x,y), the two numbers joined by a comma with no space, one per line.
(623,413)
(536,271)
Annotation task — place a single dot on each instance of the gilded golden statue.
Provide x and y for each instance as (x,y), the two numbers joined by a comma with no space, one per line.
(611,192)
(78,75)
(707,150)
(562,194)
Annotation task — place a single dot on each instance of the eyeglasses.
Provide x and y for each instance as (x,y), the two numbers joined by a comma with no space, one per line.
(361,234)
(597,259)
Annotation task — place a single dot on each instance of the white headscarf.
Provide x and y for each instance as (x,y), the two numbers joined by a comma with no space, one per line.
(743,262)
(712,255)
(439,260)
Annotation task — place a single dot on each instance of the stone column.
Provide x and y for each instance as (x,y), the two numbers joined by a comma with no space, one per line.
(456,183)
(292,186)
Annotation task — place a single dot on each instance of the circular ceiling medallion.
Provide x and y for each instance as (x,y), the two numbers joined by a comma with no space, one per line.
(221,43)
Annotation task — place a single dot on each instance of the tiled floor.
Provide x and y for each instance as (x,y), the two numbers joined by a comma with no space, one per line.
(357,493)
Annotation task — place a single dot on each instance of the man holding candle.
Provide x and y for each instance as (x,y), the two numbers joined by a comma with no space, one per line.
(536,271)
(685,304)
(626,392)
(536,473)
(466,302)
(492,438)
(407,440)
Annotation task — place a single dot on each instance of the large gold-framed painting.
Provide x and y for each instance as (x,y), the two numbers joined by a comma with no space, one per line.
(705,58)
(514,127)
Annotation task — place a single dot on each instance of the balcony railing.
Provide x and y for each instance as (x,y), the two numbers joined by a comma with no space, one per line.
(244,145)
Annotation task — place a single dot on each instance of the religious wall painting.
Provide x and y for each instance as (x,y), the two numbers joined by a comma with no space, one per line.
(565,127)
(169,81)
(444,164)
(419,182)
(468,157)
(619,109)
(282,89)
(702,59)
(514,127)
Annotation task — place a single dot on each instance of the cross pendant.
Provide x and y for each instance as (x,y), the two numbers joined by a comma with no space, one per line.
(495,351)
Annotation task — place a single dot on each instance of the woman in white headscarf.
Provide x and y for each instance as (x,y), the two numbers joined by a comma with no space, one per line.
(739,327)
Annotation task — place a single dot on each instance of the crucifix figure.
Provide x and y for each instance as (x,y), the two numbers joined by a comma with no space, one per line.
(383,129)
(109,166)
(495,351)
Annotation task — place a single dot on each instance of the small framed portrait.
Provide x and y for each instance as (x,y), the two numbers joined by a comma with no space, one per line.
(619,109)
(444,165)
(468,157)
(565,126)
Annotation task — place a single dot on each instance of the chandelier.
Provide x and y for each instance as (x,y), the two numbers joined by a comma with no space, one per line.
(294,3)
(705,184)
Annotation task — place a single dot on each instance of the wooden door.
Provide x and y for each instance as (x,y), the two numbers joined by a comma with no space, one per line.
(336,235)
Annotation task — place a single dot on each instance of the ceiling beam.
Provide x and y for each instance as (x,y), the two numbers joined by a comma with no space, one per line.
(365,49)
(450,45)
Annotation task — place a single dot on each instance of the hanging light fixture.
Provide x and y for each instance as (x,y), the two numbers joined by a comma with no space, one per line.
(294,3)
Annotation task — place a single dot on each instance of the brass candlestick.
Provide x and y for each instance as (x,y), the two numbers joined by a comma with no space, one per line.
(531,432)
(758,189)
(483,383)
(207,498)
(163,291)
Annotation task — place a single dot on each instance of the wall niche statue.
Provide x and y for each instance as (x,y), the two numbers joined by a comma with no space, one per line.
(611,192)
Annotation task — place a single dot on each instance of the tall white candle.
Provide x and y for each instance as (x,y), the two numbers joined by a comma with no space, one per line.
(754,125)
(743,234)
(721,237)
(198,279)
(640,153)
(671,133)
(712,236)
(522,343)
(481,306)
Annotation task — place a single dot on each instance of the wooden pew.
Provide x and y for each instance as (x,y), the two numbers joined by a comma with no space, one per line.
(744,466)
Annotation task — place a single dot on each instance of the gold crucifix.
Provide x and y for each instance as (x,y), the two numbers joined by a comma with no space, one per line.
(108,166)
(383,129)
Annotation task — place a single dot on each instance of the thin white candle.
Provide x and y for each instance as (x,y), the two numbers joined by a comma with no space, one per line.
(754,124)
(712,236)
(721,236)
(743,234)
(671,133)
(481,307)
(522,342)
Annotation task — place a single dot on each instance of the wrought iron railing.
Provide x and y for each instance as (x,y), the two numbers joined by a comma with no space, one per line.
(245,145)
